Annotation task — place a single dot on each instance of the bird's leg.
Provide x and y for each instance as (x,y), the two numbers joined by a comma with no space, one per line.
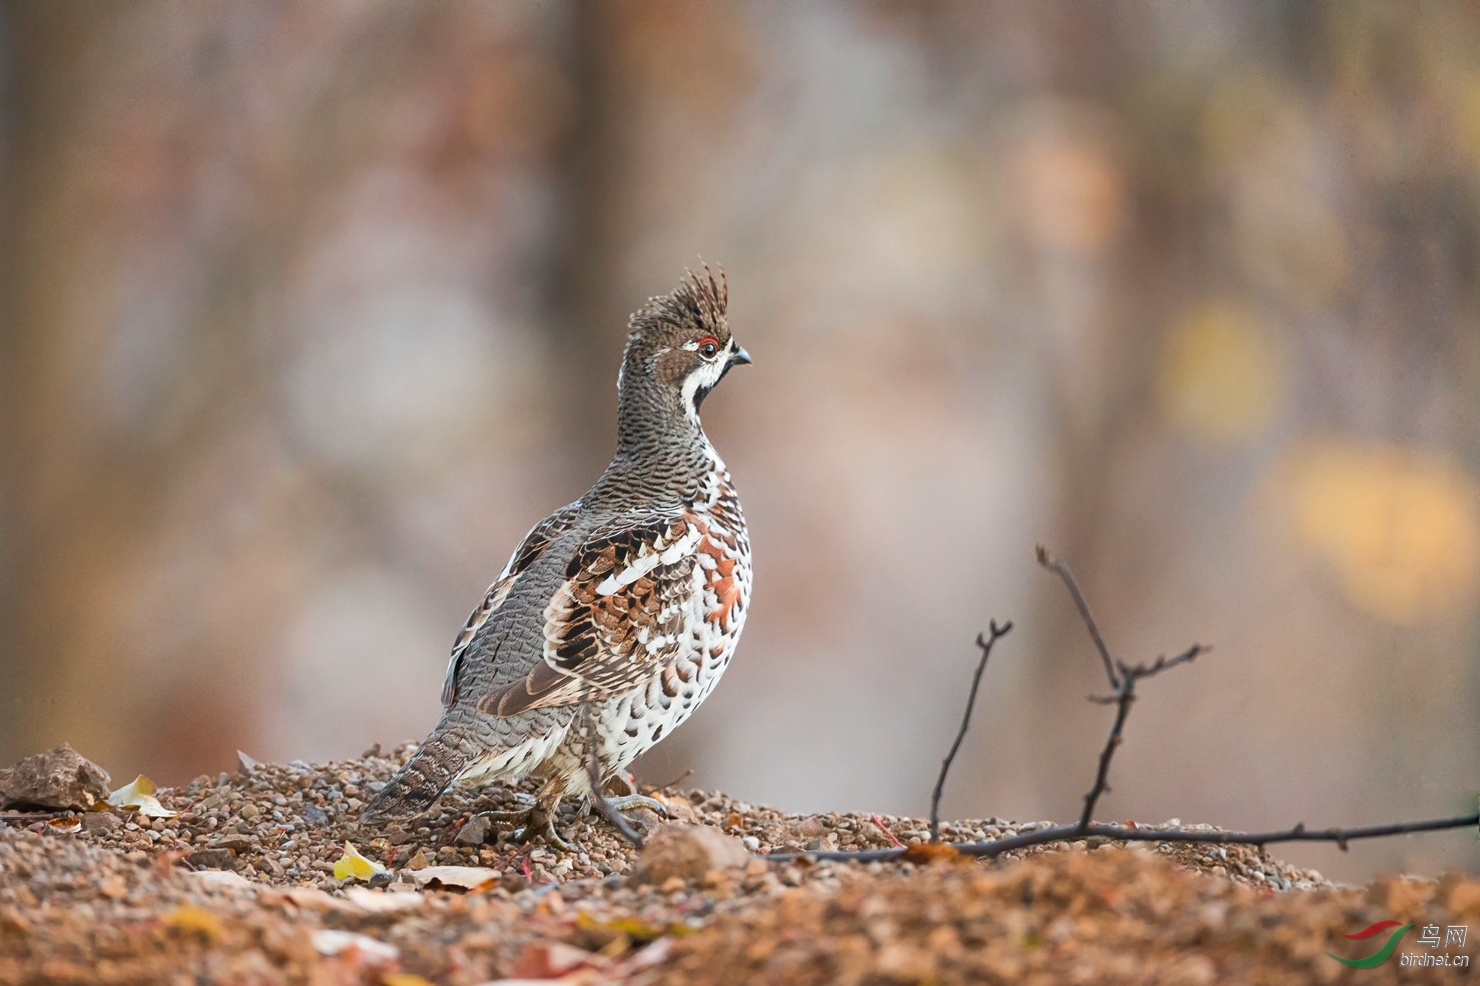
(629,800)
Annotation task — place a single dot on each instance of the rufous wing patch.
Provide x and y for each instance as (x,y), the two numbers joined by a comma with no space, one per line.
(721,582)
(618,614)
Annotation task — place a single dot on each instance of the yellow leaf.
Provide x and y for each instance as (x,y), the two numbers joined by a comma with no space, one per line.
(139,794)
(149,805)
(138,787)
(188,918)
(634,928)
(353,866)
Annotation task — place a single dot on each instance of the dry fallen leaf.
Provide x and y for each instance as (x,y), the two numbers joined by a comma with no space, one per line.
(138,787)
(139,795)
(353,866)
(551,960)
(220,880)
(305,899)
(470,878)
(929,852)
(380,902)
(195,919)
(329,941)
(404,979)
(632,927)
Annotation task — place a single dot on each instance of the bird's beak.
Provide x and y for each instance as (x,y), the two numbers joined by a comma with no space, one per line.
(739,357)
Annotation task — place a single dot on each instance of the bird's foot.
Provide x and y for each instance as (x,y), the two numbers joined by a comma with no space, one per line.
(634,800)
(532,821)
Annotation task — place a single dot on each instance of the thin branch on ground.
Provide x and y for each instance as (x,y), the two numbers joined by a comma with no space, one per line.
(36,816)
(1123,679)
(593,771)
(985,643)
(1125,833)
(1060,569)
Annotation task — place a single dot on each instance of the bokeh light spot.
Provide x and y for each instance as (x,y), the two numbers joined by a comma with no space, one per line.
(1220,376)
(1398,527)
(1069,190)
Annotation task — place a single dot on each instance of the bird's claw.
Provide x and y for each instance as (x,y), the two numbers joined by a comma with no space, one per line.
(628,801)
(533,821)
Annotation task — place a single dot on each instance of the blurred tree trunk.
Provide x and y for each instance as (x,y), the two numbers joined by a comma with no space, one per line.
(116,163)
(64,505)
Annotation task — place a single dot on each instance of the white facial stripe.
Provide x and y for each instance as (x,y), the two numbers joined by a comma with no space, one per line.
(704,375)
(690,387)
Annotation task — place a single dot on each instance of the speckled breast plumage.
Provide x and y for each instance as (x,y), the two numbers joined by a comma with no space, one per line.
(698,629)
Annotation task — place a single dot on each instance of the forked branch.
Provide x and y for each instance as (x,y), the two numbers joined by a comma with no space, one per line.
(1123,680)
(1125,694)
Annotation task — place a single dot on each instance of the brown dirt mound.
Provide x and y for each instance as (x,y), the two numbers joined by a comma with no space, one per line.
(238,888)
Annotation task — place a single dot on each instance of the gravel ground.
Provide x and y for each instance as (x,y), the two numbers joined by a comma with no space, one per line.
(239,887)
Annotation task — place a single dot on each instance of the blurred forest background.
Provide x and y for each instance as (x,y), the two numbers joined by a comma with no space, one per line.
(310,310)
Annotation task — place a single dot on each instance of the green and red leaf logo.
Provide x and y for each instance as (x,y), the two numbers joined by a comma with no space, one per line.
(1384,953)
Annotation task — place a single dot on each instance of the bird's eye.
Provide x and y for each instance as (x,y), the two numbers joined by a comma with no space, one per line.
(708,346)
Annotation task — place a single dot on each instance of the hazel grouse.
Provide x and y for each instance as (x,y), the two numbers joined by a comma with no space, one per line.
(617,614)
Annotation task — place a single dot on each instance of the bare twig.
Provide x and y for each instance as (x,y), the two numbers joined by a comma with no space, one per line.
(593,771)
(1122,684)
(1125,694)
(1061,833)
(1058,567)
(985,643)
(35,816)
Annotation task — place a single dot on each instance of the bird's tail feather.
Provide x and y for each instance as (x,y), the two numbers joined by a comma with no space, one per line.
(417,786)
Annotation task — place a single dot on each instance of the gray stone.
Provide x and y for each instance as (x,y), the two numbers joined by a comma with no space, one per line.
(688,852)
(59,778)
(100,821)
(212,859)
(474,831)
